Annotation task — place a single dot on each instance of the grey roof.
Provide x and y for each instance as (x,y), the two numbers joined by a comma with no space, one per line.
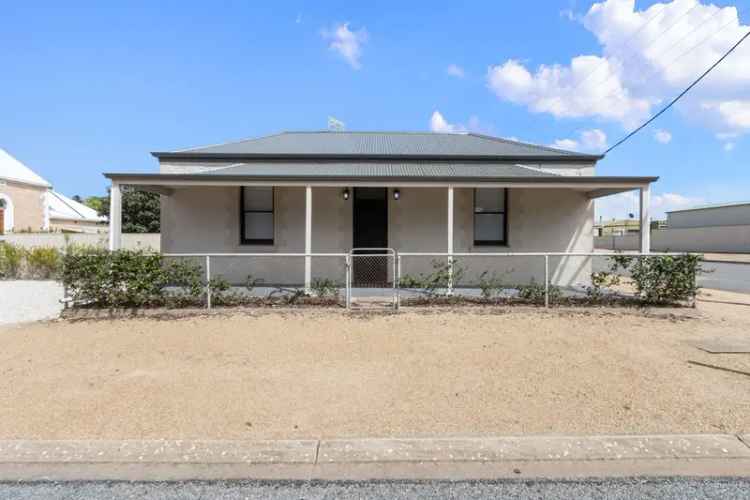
(361,145)
(711,205)
(374,169)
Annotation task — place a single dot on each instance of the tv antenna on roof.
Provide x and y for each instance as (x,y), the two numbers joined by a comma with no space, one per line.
(335,124)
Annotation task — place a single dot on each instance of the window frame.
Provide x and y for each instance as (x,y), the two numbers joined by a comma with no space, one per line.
(503,212)
(257,241)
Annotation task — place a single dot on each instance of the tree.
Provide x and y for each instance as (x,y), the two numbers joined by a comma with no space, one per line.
(140,210)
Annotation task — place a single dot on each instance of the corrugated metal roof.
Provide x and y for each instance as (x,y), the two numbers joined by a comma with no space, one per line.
(419,170)
(379,144)
(711,205)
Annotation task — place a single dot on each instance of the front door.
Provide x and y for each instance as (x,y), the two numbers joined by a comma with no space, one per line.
(370,231)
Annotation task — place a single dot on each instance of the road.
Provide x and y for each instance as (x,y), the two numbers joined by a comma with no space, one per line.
(625,489)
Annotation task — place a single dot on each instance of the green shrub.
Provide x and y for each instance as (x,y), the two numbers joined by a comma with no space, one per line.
(43,262)
(324,287)
(534,292)
(490,285)
(663,279)
(129,278)
(432,283)
(11,260)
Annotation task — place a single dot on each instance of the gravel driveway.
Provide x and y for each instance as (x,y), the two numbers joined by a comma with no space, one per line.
(25,300)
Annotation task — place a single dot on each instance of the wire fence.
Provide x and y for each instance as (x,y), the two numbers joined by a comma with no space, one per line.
(411,277)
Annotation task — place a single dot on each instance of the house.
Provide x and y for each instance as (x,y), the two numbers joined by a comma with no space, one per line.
(23,197)
(720,214)
(28,203)
(69,216)
(335,192)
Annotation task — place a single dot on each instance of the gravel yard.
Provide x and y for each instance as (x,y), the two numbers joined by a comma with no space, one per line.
(320,374)
(25,300)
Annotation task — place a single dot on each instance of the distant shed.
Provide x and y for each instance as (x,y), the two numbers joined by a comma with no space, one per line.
(724,214)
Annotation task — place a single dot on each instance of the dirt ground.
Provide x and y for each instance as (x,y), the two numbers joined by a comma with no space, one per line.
(313,374)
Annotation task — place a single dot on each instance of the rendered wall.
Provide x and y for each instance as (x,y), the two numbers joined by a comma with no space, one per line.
(206,220)
(28,206)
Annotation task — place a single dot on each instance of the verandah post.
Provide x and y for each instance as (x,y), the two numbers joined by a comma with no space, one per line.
(546,280)
(645,214)
(115,217)
(450,240)
(308,239)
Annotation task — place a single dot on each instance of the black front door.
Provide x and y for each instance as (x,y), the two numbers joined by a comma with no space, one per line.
(370,231)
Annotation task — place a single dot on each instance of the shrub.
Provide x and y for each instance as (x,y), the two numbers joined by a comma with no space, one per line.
(438,279)
(324,287)
(663,279)
(11,260)
(534,292)
(43,262)
(129,278)
(490,285)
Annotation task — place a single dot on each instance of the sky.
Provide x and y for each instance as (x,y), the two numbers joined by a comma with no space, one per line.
(92,87)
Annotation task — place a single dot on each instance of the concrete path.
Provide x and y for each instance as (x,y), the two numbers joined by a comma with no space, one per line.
(440,458)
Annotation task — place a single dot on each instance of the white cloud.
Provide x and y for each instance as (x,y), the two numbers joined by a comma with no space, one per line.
(619,206)
(347,43)
(593,141)
(728,146)
(455,70)
(646,57)
(662,136)
(438,123)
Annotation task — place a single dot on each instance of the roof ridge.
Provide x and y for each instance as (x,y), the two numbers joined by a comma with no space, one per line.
(532,145)
(237,141)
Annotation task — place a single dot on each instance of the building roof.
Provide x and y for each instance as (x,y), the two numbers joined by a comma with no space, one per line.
(13,170)
(379,145)
(348,169)
(63,208)
(710,206)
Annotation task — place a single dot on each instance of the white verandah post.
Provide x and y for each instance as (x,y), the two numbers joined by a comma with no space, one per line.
(115,217)
(308,238)
(450,240)
(645,215)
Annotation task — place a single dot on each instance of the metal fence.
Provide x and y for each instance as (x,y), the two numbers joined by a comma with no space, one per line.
(386,276)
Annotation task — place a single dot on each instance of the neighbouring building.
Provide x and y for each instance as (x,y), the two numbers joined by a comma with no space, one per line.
(23,197)
(28,203)
(354,193)
(720,214)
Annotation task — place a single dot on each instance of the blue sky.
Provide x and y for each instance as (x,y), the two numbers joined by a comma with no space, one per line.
(94,87)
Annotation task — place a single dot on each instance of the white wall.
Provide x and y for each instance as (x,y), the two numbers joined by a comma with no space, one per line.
(206,220)
(130,241)
(731,239)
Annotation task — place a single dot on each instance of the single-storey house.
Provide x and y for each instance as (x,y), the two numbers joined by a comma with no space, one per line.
(338,191)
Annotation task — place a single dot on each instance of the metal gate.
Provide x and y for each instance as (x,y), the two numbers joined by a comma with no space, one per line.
(372,278)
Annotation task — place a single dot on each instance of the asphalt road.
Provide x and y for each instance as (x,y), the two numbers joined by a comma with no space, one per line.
(615,489)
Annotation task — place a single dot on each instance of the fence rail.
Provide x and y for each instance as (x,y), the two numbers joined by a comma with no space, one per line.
(397,266)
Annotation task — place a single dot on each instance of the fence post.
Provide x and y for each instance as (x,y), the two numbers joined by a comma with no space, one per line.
(546,280)
(397,281)
(348,282)
(208,282)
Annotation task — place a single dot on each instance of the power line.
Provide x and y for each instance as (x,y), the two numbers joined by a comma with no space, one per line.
(673,101)
(590,106)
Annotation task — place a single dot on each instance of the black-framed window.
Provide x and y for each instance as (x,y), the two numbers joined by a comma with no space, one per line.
(256,215)
(490,216)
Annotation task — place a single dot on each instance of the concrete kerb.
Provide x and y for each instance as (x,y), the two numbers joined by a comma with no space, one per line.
(453,458)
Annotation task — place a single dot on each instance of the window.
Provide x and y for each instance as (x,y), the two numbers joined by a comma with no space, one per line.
(256,215)
(490,216)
